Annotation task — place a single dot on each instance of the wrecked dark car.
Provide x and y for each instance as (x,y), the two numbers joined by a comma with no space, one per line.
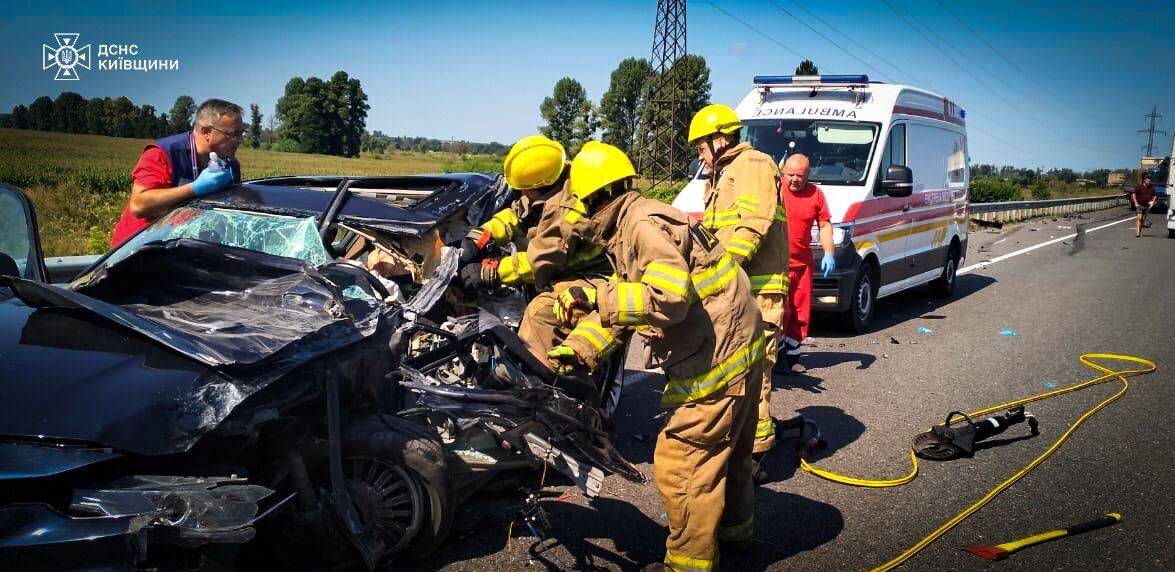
(278,374)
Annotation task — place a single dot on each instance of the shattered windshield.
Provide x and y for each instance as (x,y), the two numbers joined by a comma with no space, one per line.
(839,151)
(278,235)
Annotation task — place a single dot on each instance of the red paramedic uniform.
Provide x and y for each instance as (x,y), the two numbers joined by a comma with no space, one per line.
(803,210)
(153,171)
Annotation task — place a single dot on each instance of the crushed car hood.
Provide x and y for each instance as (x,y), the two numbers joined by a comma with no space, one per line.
(185,331)
(71,375)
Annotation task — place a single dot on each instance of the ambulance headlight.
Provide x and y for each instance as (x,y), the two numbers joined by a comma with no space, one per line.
(842,234)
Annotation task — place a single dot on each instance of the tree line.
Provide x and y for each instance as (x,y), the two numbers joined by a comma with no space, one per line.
(623,117)
(115,117)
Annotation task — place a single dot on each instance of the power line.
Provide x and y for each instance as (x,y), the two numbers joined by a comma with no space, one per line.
(827,39)
(970,126)
(900,13)
(756,30)
(858,44)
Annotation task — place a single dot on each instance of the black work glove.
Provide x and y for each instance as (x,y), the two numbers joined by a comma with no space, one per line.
(470,251)
(482,274)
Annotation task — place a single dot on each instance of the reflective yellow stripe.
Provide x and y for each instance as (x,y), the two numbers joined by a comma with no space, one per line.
(780,214)
(576,213)
(683,563)
(514,269)
(747,203)
(742,247)
(765,428)
(771,283)
(631,303)
(595,334)
(667,278)
(678,391)
(738,532)
(590,253)
(502,226)
(716,277)
(720,219)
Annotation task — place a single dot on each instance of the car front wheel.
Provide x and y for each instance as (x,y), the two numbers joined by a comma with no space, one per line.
(864,298)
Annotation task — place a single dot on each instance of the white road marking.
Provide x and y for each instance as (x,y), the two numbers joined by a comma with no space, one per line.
(986,263)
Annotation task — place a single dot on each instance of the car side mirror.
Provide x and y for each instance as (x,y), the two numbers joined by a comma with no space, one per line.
(694,167)
(898,181)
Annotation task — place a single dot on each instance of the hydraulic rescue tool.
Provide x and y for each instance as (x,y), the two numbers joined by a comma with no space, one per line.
(1002,551)
(944,442)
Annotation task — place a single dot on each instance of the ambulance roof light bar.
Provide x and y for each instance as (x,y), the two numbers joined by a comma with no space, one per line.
(810,80)
(814,82)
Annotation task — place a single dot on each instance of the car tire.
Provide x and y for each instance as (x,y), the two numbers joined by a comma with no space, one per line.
(1171,233)
(944,285)
(419,451)
(863,302)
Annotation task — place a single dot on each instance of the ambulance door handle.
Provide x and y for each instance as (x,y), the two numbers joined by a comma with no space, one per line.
(905,208)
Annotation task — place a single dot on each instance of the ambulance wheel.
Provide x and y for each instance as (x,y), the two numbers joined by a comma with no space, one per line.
(944,285)
(1171,233)
(864,298)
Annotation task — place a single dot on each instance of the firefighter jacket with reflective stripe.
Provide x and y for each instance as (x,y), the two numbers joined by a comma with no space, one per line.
(512,223)
(744,211)
(561,245)
(703,326)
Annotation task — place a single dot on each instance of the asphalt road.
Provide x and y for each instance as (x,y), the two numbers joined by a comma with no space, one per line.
(1101,291)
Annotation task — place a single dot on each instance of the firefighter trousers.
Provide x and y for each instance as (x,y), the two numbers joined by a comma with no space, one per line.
(702,466)
(765,426)
(539,328)
(799,308)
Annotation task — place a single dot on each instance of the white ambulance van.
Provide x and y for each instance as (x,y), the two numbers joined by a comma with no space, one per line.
(892,162)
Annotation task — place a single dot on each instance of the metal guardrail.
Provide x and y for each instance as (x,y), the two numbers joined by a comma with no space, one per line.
(1020,210)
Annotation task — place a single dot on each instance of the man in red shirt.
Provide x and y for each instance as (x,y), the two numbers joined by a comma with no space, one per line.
(805,205)
(1143,199)
(174,169)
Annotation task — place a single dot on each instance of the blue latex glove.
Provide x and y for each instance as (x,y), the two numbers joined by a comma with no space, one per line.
(211,180)
(828,264)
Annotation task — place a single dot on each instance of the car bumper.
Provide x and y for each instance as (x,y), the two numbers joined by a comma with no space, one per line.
(39,537)
(834,293)
(137,518)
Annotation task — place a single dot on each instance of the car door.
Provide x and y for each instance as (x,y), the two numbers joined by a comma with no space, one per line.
(20,245)
(893,225)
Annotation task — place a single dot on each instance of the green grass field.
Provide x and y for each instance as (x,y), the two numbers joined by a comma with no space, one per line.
(80,183)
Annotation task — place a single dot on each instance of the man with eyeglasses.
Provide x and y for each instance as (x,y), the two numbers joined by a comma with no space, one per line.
(175,168)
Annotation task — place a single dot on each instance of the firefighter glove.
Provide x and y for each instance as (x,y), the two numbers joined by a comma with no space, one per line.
(211,181)
(470,251)
(563,360)
(828,264)
(482,274)
(581,299)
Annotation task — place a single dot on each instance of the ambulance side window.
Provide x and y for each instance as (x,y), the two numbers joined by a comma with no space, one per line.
(937,157)
(894,153)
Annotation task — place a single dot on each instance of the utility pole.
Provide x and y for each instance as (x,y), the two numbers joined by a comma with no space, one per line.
(662,154)
(1150,133)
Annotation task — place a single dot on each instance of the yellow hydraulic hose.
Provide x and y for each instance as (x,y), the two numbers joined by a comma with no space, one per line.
(1107,373)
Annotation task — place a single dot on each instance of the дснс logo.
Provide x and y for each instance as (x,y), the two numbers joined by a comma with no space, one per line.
(67,56)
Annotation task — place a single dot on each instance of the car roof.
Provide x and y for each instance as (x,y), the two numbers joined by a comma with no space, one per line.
(401,205)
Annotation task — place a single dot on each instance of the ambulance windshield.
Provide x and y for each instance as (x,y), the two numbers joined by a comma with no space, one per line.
(839,151)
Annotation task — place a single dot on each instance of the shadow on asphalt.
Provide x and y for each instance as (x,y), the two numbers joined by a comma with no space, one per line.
(638,539)
(912,304)
(837,428)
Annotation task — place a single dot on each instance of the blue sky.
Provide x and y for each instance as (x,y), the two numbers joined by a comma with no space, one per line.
(1081,78)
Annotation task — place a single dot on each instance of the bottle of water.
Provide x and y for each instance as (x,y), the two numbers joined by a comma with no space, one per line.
(215,163)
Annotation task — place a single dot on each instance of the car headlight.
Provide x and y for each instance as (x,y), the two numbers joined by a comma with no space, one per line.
(200,504)
(842,234)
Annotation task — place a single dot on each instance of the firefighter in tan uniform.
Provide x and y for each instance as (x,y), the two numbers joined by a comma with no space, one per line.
(551,231)
(681,290)
(743,210)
